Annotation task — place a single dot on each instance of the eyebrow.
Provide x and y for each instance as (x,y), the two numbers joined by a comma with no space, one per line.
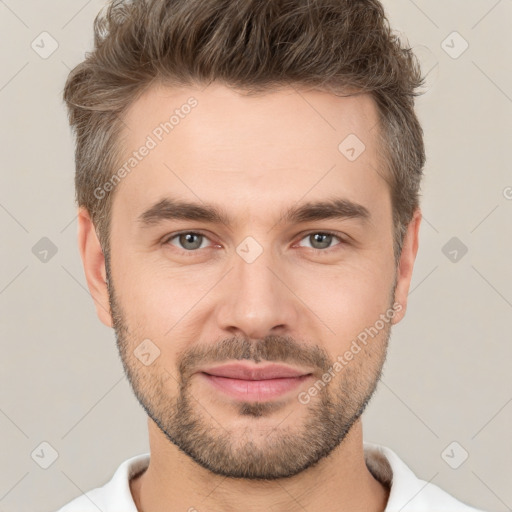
(173,209)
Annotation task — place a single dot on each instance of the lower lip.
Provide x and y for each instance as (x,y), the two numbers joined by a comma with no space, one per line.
(255,390)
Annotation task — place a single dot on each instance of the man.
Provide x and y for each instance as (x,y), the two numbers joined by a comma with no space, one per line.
(247,175)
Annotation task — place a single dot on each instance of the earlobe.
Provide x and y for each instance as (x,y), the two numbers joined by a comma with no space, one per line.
(406,265)
(93,261)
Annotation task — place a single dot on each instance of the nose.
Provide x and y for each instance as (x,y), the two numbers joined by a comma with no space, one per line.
(257,299)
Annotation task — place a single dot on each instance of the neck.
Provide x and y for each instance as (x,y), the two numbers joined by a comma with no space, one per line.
(340,482)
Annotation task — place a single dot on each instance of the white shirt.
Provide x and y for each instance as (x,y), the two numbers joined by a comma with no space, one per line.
(408,493)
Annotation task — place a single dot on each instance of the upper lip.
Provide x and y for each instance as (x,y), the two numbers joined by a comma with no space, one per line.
(252,372)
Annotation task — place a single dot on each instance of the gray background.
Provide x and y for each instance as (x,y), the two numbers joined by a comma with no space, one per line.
(447,377)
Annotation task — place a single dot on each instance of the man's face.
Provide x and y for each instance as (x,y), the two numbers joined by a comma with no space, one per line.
(188,293)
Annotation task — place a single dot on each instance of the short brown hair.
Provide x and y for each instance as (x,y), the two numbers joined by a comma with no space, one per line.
(253,46)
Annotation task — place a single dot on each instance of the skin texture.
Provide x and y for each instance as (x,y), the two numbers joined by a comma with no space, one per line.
(299,302)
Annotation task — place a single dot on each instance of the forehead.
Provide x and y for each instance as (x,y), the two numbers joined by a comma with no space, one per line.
(218,145)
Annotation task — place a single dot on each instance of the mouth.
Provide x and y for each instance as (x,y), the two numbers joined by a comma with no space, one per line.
(254,383)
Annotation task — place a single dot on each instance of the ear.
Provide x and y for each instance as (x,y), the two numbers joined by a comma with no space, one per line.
(94,265)
(406,264)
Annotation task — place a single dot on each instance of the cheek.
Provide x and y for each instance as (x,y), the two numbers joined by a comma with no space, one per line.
(350,298)
(163,306)
(144,304)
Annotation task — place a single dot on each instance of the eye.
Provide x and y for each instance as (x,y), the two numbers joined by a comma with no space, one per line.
(321,240)
(188,240)
(191,241)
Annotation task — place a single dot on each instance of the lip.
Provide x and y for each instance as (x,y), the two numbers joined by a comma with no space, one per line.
(251,372)
(254,383)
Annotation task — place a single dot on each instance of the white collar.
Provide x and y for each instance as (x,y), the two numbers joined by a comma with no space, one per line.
(408,493)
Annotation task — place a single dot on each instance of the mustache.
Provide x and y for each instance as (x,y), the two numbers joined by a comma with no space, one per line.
(272,348)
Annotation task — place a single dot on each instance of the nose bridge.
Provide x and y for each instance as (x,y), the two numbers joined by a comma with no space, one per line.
(256,301)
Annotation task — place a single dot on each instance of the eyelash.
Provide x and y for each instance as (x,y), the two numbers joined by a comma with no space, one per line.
(195,251)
